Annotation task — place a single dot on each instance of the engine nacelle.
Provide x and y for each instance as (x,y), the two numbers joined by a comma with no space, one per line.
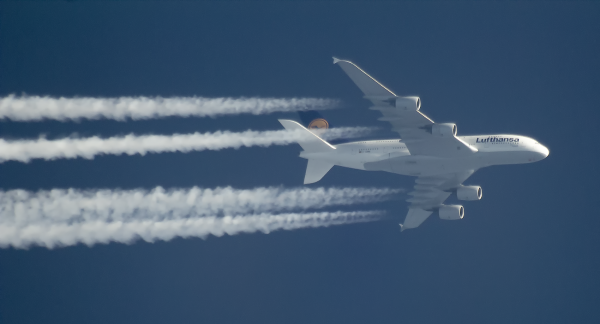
(452,212)
(468,193)
(408,103)
(443,130)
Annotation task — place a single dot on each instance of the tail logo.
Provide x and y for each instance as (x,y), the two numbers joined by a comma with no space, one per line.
(318,123)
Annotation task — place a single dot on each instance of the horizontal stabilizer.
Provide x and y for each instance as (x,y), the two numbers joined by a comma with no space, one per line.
(315,170)
(310,142)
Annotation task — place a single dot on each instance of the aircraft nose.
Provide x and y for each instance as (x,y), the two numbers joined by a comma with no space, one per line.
(543,152)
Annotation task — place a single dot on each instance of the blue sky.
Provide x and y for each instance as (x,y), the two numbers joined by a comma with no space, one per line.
(528,251)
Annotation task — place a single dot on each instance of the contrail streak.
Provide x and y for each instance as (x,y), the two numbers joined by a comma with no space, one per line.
(26,150)
(94,232)
(35,108)
(73,205)
(57,217)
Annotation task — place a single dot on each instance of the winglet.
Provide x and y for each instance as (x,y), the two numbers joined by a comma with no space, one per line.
(335,60)
(401,227)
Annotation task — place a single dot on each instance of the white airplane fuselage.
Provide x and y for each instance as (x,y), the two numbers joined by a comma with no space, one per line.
(393,156)
(430,151)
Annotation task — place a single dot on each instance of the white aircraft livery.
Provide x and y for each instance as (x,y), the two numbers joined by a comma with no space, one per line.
(432,152)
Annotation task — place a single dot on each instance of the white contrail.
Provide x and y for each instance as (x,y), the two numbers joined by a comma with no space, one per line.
(26,150)
(34,108)
(58,217)
(73,205)
(94,232)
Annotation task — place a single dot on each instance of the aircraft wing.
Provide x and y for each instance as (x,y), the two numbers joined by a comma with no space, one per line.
(413,126)
(429,193)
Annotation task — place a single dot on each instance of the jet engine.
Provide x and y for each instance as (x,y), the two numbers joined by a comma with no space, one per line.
(452,212)
(468,193)
(408,103)
(443,130)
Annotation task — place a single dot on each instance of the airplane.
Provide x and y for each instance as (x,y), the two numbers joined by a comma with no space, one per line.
(432,152)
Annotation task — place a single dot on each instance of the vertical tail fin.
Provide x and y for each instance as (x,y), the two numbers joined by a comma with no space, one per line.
(318,124)
(314,122)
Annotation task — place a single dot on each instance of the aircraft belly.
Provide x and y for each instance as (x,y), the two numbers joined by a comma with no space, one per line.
(423,165)
(356,165)
(417,165)
(508,157)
